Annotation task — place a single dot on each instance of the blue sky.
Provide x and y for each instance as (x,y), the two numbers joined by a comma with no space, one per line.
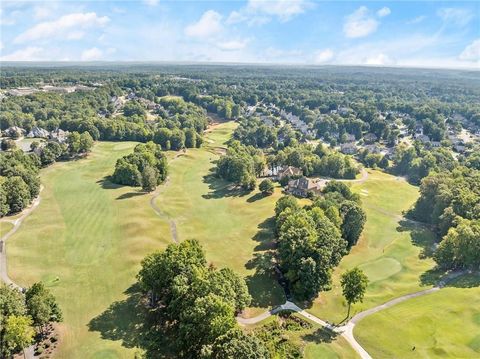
(399,33)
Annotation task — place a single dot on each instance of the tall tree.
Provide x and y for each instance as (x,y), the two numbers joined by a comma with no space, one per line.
(354,219)
(149,179)
(354,284)
(19,334)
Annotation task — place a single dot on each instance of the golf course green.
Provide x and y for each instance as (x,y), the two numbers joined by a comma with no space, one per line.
(442,324)
(87,237)
(389,250)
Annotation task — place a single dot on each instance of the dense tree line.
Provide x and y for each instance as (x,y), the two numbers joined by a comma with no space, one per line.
(241,164)
(417,162)
(450,202)
(199,303)
(313,239)
(371,100)
(23,317)
(147,167)
(19,181)
(282,147)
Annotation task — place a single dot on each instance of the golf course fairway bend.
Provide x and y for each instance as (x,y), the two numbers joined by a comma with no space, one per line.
(388,251)
(87,237)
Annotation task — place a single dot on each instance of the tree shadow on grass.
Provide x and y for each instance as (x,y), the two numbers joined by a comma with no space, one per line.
(256,197)
(135,325)
(421,236)
(321,335)
(106,183)
(220,188)
(436,276)
(263,284)
(131,195)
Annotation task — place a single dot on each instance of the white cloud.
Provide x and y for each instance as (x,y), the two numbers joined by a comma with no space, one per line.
(9,19)
(45,9)
(322,56)
(258,12)
(208,25)
(455,16)
(283,9)
(41,12)
(75,35)
(380,59)
(62,27)
(471,52)
(416,20)
(233,45)
(360,23)
(92,54)
(30,53)
(151,2)
(384,11)
(273,54)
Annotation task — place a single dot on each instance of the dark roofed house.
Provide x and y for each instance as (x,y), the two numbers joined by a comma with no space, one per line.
(302,186)
(348,148)
(14,132)
(370,138)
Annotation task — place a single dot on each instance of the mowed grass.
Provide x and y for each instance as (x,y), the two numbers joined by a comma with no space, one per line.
(235,227)
(388,250)
(5,227)
(444,324)
(85,241)
(88,236)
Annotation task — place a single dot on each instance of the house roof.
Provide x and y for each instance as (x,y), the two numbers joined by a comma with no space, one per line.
(302,183)
(291,171)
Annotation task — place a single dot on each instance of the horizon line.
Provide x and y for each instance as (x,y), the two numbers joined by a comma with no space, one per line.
(207,63)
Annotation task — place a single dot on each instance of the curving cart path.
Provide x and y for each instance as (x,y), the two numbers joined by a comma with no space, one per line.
(28,352)
(3,248)
(346,330)
(158,211)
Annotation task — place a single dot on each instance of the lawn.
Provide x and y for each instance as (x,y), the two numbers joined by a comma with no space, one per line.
(322,343)
(389,250)
(234,227)
(442,324)
(5,227)
(85,241)
(87,238)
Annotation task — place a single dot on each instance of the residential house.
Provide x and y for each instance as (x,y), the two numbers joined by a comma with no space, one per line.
(350,137)
(289,171)
(459,147)
(373,149)
(422,138)
(59,135)
(38,132)
(301,187)
(418,129)
(14,132)
(370,138)
(348,148)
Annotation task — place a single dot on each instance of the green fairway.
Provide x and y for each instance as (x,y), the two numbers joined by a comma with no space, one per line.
(5,227)
(442,324)
(87,238)
(85,241)
(388,251)
(233,226)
